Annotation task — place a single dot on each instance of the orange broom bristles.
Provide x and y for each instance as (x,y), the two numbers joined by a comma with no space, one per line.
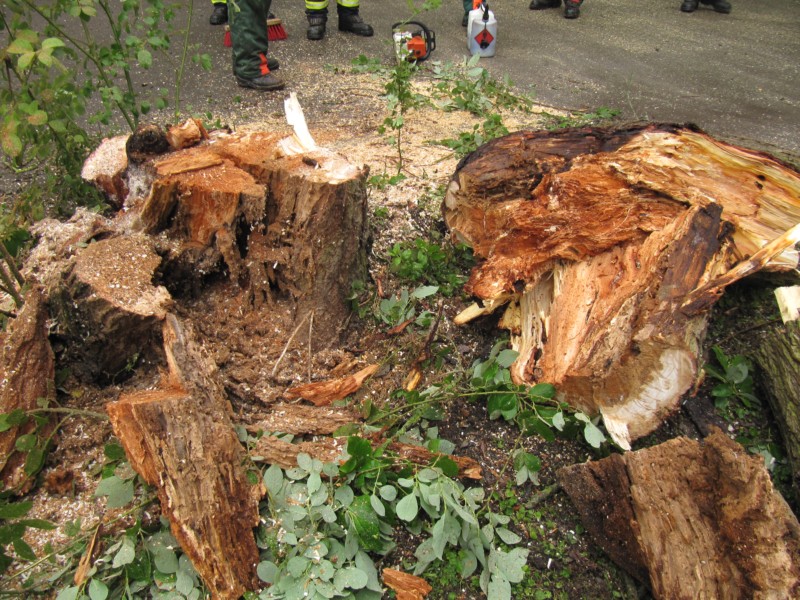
(275,31)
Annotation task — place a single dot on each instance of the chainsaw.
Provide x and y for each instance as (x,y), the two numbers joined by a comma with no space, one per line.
(413,41)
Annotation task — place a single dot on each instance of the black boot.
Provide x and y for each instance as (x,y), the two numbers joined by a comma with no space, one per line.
(542,4)
(720,6)
(350,20)
(316,24)
(572,9)
(689,5)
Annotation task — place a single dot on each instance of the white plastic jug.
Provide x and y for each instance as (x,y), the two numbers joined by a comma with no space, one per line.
(482,31)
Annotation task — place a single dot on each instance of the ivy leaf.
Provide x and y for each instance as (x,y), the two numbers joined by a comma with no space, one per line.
(407,508)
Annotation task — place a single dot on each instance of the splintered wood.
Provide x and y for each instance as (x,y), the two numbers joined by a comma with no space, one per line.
(608,246)
(691,519)
(181,440)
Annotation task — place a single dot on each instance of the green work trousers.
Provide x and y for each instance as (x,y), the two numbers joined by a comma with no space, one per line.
(249,38)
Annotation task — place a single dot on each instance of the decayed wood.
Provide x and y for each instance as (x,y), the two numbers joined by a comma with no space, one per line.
(299,419)
(181,440)
(323,393)
(607,246)
(188,133)
(778,356)
(108,307)
(693,520)
(106,169)
(284,454)
(405,585)
(286,227)
(27,371)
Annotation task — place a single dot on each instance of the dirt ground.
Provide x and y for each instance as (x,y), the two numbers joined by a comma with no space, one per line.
(563,560)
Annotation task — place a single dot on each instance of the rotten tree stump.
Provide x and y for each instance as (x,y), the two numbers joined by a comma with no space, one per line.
(27,371)
(181,440)
(608,246)
(690,519)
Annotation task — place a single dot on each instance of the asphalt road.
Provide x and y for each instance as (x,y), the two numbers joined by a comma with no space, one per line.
(737,76)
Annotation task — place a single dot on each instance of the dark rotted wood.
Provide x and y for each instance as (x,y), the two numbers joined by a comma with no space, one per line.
(145,142)
(703,518)
(607,247)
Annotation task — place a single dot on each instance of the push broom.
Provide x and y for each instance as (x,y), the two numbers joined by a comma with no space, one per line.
(275,31)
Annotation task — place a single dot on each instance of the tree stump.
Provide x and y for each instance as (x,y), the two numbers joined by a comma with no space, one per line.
(690,519)
(608,246)
(284,227)
(181,440)
(107,307)
(27,371)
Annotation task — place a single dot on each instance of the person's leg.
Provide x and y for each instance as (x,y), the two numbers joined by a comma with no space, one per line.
(317,15)
(542,4)
(250,46)
(689,5)
(219,12)
(572,9)
(350,20)
(720,6)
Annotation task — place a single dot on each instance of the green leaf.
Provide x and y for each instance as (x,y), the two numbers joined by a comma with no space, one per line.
(9,533)
(19,46)
(536,425)
(98,590)
(593,435)
(273,479)
(297,566)
(267,571)
(23,550)
(388,493)
(358,447)
(52,42)
(14,511)
(69,593)
(502,404)
(350,577)
(144,58)
(543,390)
(377,505)
(506,358)
(25,60)
(508,536)
(126,553)
(304,462)
(25,443)
(34,461)
(114,451)
(37,524)
(10,142)
(344,495)
(447,465)
(366,524)
(558,421)
(407,508)
(499,588)
(424,291)
(119,492)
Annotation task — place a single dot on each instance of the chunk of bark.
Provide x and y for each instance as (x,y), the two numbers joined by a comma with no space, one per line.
(299,419)
(693,520)
(181,440)
(107,306)
(27,371)
(778,356)
(608,246)
(106,169)
(146,142)
(405,585)
(323,393)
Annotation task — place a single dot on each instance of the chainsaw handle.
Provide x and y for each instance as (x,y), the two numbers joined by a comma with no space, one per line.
(428,35)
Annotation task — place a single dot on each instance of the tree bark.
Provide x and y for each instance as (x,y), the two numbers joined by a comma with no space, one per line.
(608,246)
(778,356)
(181,440)
(693,520)
(27,371)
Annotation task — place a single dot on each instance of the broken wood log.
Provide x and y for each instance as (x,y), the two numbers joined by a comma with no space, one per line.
(778,356)
(323,393)
(272,450)
(108,309)
(27,371)
(181,440)
(189,133)
(106,167)
(691,519)
(608,246)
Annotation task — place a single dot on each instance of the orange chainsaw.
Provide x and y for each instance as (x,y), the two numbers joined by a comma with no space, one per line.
(413,41)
